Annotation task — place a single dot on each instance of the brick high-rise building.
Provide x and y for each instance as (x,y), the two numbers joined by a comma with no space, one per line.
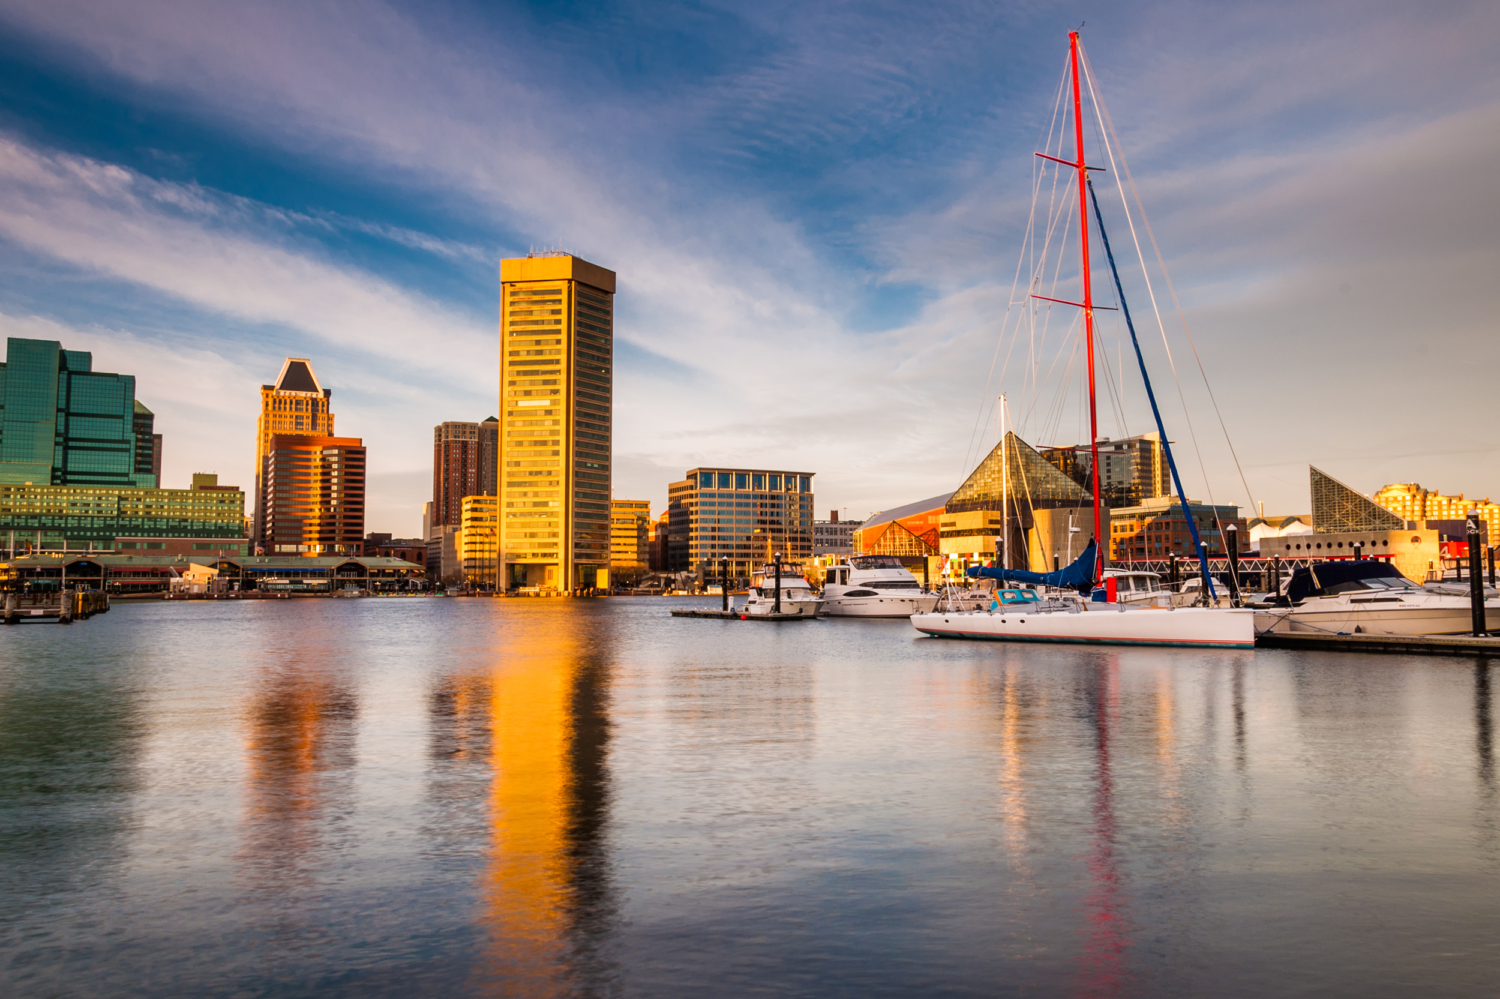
(556,387)
(455,470)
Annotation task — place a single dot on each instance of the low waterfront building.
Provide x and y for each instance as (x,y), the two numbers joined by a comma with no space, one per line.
(478,542)
(629,535)
(1156,528)
(834,536)
(907,530)
(147,573)
(1412,503)
(406,549)
(1278,527)
(81,518)
(746,515)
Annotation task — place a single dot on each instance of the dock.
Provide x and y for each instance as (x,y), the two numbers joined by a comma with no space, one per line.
(1427,645)
(739,616)
(64,607)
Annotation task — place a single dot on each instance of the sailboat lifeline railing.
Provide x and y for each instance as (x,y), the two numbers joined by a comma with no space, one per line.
(1151,395)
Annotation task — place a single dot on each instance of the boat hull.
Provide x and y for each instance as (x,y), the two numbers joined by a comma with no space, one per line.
(877,606)
(1197,627)
(1347,620)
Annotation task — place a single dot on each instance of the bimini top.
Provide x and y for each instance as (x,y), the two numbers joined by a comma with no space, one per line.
(1328,578)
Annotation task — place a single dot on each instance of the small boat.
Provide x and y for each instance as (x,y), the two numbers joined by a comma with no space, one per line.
(1365,597)
(795,595)
(873,586)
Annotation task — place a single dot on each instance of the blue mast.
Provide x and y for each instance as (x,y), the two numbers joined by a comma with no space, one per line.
(1156,412)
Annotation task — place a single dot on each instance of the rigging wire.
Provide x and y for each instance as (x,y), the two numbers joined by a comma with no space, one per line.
(1107,124)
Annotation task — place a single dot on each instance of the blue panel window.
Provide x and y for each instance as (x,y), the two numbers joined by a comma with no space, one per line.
(775,483)
(706,480)
(760,481)
(724,480)
(807,483)
(741,480)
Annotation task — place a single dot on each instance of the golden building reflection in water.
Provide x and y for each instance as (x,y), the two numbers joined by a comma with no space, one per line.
(544,896)
(299,766)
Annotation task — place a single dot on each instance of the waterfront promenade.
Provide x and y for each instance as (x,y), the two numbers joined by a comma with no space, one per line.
(590,797)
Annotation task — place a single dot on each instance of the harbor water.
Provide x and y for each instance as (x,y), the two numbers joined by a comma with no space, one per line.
(393,797)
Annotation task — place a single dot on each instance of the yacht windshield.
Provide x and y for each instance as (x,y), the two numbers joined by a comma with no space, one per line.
(876,562)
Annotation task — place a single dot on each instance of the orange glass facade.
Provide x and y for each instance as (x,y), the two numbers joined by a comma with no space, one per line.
(296,404)
(314,495)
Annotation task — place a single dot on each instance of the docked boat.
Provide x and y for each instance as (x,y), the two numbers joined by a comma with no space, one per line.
(1061,613)
(873,586)
(793,596)
(1365,597)
(1082,603)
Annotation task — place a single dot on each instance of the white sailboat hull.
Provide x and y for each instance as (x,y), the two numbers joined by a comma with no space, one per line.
(1199,627)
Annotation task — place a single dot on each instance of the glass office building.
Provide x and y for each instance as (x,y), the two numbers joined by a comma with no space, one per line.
(746,515)
(64,424)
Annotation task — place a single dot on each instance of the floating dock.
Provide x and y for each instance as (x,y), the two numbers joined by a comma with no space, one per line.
(740,616)
(1425,645)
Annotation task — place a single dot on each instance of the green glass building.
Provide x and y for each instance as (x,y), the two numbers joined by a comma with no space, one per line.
(64,424)
(80,461)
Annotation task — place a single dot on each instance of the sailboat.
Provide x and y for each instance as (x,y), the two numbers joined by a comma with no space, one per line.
(1068,614)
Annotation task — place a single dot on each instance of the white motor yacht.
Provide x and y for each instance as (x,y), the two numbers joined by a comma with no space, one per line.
(797,597)
(1367,597)
(874,586)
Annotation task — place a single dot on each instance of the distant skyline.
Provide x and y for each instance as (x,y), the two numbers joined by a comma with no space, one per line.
(814,212)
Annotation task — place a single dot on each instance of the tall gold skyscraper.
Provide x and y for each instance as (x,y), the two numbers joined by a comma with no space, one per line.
(296,404)
(556,387)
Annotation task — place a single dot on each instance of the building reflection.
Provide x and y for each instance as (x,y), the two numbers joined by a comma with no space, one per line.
(299,782)
(532,723)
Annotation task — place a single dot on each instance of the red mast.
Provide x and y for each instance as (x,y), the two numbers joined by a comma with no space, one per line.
(1088,296)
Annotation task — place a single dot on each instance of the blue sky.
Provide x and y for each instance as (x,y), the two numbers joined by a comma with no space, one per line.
(815,211)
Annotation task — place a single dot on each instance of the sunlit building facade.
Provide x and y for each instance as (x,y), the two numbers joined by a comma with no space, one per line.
(296,403)
(1411,502)
(313,495)
(556,387)
(745,515)
(479,540)
(629,534)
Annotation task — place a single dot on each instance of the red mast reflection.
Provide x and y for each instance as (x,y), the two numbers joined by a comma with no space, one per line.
(1102,963)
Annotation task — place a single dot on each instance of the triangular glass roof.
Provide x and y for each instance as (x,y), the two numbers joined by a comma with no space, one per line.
(1337,509)
(1033,481)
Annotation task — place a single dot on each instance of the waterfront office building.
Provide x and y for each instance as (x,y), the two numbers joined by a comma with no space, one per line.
(478,541)
(296,404)
(556,387)
(1155,528)
(745,515)
(629,534)
(312,495)
(834,536)
(1131,470)
(79,462)
(64,424)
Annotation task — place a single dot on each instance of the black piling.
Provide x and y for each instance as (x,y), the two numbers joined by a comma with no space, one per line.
(1476,576)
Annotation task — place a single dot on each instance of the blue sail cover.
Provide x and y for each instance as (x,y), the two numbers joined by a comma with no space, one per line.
(1079,575)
